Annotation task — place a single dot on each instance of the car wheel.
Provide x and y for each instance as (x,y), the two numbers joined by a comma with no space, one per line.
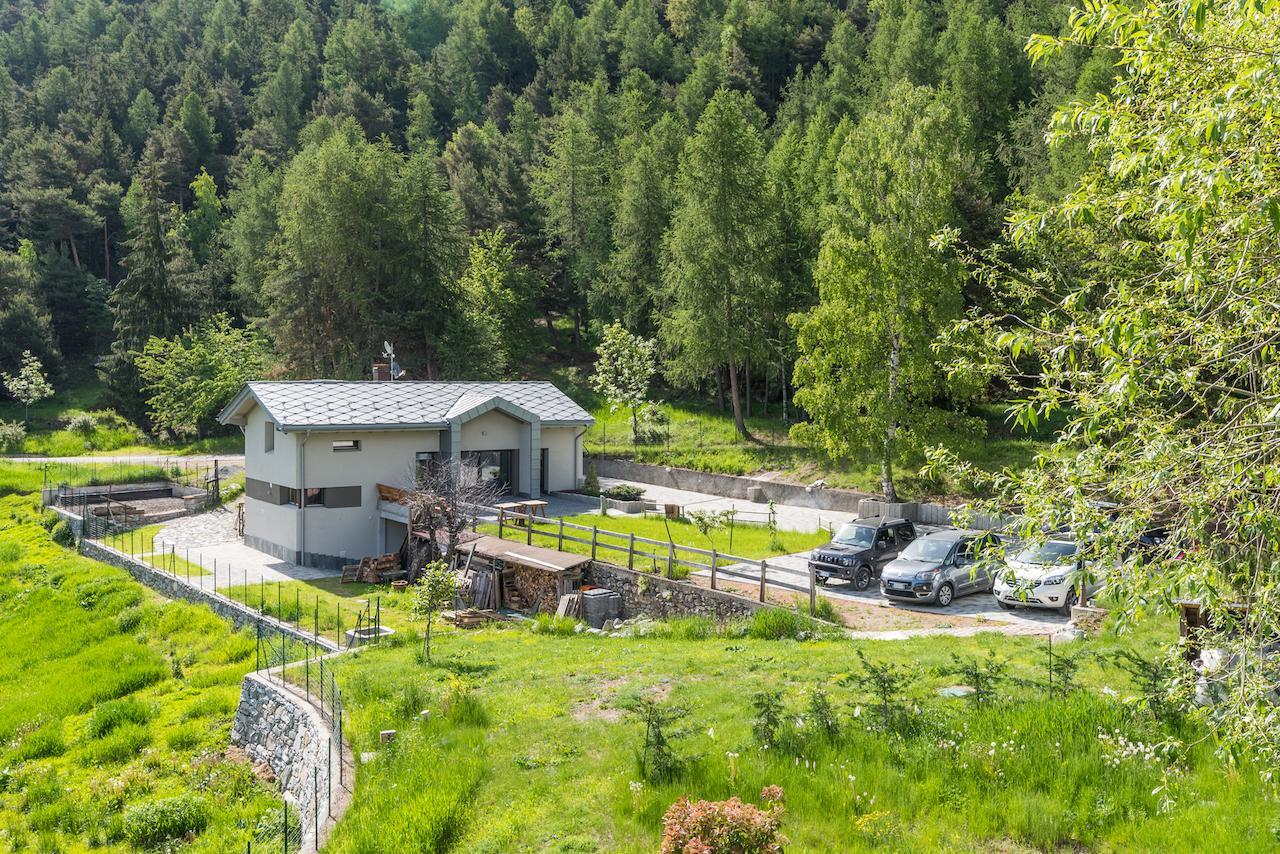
(945,594)
(1070,601)
(862,578)
(1006,605)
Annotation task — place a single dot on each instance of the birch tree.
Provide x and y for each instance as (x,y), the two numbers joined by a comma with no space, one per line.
(867,374)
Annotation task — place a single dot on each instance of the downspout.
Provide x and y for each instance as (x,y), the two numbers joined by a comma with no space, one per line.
(577,458)
(302,498)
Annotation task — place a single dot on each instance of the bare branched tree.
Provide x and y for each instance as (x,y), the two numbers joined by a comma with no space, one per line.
(444,500)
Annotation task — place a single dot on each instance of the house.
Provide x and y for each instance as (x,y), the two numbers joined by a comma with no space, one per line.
(316,450)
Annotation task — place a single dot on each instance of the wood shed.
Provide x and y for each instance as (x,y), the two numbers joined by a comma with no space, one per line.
(521,577)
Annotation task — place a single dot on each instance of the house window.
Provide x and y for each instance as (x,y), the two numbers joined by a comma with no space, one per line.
(269,437)
(427,464)
(313,497)
(289,495)
(347,445)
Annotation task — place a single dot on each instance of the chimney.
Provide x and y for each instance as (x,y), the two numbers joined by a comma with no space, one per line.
(381,371)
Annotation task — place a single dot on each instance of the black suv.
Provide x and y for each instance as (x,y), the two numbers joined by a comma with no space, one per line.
(860,549)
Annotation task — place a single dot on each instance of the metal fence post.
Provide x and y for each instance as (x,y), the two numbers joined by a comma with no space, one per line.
(631,551)
(813,592)
(713,568)
(528,527)
(671,557)
(595,532)
(560,536)
(764,567)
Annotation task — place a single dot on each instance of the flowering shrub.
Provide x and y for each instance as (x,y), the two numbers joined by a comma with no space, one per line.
(724,827)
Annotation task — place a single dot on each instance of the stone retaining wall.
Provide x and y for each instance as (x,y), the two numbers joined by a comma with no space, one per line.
(174,587)
(656,596)
(284,731)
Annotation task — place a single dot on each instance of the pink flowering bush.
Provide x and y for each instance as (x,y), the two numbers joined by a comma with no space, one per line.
(724,827)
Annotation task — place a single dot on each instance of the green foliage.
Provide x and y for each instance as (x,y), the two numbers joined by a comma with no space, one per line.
(719,264)
(63,535)
(115,713)
(29,385)
(192,376)
(868,372)
(625,365)
(168,819)
(624,492)
(12,434)
(435,591)
(657,760)
(550,624)
(777,624)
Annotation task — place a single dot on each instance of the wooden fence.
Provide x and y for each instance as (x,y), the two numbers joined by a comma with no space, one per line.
(641,553)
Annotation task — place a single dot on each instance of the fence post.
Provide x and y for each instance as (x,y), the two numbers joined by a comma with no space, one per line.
(502,516)
(671,556)
(631,551)
(813,592)
(764,566)
(595,530)
(528,527)
(713,568)
(315,807)
(560,536)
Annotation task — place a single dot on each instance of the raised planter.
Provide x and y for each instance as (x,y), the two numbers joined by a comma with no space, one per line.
(637,506)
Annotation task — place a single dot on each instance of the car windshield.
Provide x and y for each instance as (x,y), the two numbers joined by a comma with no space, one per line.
(928,549)
(1047,554)
(855,535)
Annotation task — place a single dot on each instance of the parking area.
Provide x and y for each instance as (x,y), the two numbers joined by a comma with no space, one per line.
(791,573)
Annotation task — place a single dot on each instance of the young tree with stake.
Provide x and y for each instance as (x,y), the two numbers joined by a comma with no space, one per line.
(433,593)
(625,365)
(29,385)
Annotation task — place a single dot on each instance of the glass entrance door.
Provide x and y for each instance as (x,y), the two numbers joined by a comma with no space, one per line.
(493,466)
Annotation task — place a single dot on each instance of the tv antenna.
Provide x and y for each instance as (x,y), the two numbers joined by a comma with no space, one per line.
(389,353)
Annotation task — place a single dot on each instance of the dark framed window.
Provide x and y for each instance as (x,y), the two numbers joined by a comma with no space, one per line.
(313,497)
(346,445)
(269,437)
(426,463)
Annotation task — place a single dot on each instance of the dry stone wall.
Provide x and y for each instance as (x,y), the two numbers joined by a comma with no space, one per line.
(655,596)
(285,732)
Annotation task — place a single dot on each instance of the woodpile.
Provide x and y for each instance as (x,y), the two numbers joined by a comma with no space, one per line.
(535,590)
(374,570)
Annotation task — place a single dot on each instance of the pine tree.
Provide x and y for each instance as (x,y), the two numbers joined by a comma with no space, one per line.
(719,269)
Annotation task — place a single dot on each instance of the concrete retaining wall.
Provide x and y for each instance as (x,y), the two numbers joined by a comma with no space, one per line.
(730,486)
(655,596)
(753,489)
(282,730)
(175,587)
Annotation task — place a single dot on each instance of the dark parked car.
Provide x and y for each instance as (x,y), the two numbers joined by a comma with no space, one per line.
(860,549)
(940,566)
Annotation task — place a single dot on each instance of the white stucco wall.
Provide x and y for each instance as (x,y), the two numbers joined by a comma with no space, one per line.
(385,456)
(275,523)
(563,464)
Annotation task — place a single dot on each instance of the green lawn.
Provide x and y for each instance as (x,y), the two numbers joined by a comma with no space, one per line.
(700,436)
(318,605)
(113,699)
(748,540)
(83,391)
(529,745)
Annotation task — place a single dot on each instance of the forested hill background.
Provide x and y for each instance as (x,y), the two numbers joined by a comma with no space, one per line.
(485,183)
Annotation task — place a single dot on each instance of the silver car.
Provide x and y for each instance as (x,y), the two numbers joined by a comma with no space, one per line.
(938,567)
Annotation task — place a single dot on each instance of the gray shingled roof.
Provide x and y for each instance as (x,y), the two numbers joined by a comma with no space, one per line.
(335,404)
